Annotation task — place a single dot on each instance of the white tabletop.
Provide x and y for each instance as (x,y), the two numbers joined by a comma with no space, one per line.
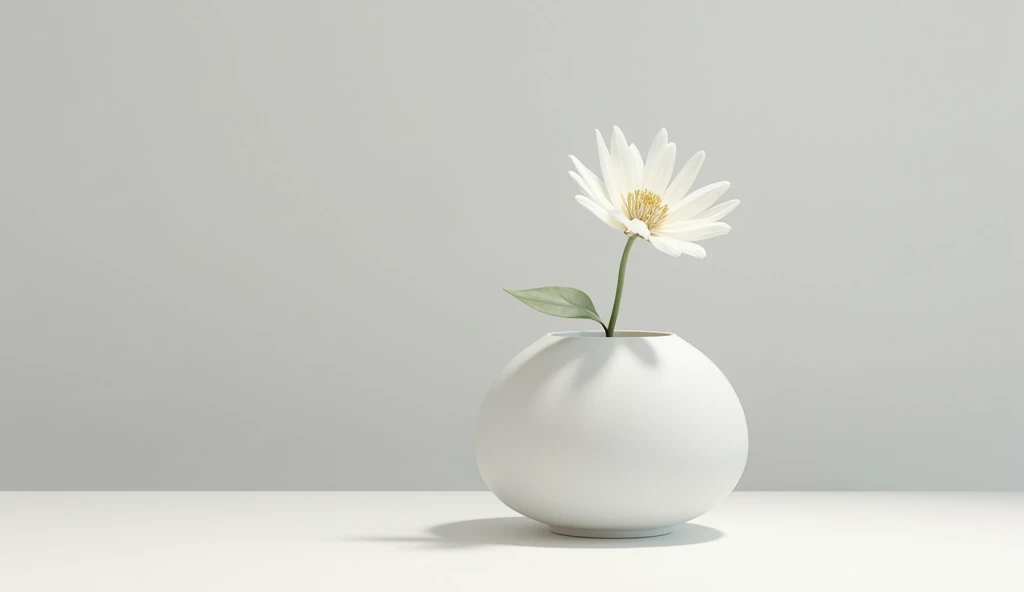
(354,541)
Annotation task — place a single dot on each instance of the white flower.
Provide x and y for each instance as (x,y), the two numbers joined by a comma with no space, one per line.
(636,197)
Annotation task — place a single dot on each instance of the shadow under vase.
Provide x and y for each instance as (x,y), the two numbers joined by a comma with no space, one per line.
(524,532)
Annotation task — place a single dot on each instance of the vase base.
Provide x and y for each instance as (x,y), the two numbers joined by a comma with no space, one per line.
(611,533)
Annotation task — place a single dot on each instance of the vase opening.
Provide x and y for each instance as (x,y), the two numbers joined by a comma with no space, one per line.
(618,334)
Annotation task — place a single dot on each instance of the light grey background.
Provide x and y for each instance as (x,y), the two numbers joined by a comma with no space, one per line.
(263,245)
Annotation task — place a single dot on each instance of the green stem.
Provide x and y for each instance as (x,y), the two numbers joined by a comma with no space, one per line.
(610,330)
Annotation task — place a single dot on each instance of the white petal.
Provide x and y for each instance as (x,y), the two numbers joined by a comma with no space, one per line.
(591,184)
(621,163)
(637,226)
(609,170)
(676,248)
(619,144)
(636,172)
(659,143)
(583,185)
(694,231)
(718,212)
(697,202)
(621,218)
(601,213)
(679,225)
(658,171)
(633,226)
(684,180)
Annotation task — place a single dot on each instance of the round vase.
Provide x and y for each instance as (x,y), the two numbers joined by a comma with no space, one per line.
(611,437)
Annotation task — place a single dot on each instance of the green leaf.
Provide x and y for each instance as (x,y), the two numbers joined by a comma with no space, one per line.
(557,301)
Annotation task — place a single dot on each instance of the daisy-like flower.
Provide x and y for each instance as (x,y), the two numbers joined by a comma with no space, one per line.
(634,196)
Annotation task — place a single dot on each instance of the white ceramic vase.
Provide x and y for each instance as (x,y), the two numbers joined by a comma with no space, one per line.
(611,437)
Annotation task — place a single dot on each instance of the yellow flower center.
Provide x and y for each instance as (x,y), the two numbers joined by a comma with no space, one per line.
(646,206)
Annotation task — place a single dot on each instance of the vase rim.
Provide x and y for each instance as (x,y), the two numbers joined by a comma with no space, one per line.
(626,333)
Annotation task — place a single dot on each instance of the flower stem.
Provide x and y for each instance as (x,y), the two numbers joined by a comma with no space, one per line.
(610,330)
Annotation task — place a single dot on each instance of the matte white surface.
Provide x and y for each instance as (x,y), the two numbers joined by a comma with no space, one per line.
(613,436)
(403,541)
(261,244)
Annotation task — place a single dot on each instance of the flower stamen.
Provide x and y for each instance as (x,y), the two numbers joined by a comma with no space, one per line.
(645,205)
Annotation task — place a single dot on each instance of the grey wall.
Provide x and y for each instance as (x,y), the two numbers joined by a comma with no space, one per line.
(263,245)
